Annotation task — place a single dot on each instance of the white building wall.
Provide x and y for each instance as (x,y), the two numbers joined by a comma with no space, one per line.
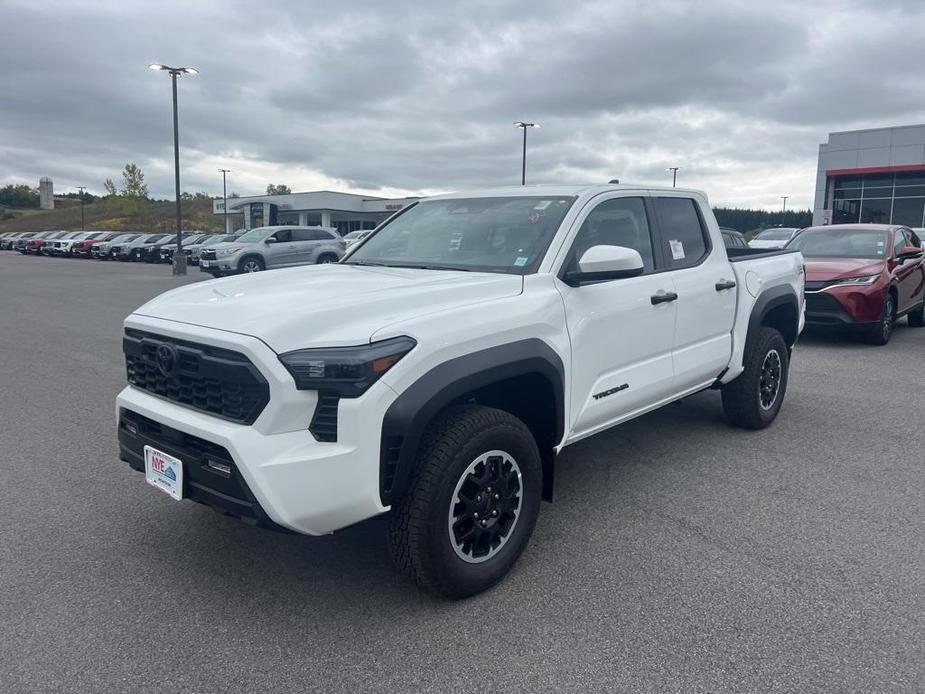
(857,149)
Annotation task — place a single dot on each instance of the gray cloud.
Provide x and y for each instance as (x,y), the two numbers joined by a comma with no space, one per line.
(406,96)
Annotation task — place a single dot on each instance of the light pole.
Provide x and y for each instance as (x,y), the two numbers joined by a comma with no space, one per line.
(225,197)
(179,257)
(674,175)
(784,198)
(81,189)
(523,166)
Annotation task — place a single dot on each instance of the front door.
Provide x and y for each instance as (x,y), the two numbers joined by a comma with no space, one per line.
(909,273)
(621,331)
(283,251)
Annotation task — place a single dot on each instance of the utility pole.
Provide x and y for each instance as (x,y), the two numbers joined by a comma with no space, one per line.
(784,198)
(523,165)
(674,175)
(179,257)
(81,190)
(225,197)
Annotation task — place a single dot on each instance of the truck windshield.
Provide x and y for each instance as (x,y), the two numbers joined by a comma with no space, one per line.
(504,234)
(842,244)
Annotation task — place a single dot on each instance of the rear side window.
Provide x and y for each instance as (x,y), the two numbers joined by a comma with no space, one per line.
(311,235)
(683,237)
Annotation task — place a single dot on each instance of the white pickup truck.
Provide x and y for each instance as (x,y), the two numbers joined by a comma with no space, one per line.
(435,373)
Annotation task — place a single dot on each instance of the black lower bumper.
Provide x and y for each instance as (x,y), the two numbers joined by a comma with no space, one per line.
(210,476)
(822,309)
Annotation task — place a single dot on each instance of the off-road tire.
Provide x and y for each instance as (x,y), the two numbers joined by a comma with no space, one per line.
(742,397)
(420,541)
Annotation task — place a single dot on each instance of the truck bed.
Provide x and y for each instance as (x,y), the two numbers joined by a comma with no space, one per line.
(736,255)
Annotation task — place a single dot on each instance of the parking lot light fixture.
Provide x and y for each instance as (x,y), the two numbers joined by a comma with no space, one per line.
(179,258)
(225,172)
(784,198)
(523,165)
(81,189)
(674,175)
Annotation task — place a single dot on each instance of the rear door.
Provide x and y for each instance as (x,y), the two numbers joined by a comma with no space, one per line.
(705,284)
(621,331)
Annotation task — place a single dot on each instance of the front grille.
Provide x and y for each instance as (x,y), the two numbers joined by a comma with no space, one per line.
(822,302)
(218,381)
(207,254)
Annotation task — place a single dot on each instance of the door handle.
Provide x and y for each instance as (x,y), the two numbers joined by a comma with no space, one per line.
(725,284)
(663,298)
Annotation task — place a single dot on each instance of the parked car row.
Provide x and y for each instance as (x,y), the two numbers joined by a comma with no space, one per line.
(221,254)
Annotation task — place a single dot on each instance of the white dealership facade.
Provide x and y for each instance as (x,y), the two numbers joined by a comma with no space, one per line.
(344,211)
(875,175)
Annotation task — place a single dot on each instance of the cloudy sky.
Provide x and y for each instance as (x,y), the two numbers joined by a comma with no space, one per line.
(411,96)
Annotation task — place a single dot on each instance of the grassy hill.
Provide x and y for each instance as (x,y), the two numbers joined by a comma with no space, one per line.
(117,215)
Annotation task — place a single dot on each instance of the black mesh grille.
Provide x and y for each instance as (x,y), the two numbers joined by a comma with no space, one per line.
(207,254)
(213,380)
(822,302)
(324,422)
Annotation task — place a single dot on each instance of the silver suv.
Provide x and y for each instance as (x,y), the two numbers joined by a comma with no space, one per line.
(267,248)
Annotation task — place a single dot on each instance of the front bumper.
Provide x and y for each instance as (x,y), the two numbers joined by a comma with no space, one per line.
(224,264)
(845,305)
(291,479)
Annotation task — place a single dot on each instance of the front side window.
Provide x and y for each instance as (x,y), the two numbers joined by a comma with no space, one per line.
(616,222)
(899,242)
(491,234)
(283,236)
(683,236)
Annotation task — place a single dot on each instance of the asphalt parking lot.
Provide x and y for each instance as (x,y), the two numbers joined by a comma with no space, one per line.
(679,555)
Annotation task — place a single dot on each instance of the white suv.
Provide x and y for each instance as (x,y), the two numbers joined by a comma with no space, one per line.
(436,372)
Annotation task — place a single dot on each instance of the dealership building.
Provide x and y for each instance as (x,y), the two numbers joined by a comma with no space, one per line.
(345,212)
(873,175)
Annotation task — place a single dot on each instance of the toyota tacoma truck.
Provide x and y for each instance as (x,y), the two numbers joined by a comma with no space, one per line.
(436,372)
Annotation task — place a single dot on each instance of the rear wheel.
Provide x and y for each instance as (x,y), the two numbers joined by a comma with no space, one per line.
(754,398)
(251,264)
(472,503)
(881,333)
(327,258)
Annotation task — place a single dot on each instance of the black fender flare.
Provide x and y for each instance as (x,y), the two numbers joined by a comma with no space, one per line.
(767,301)
(409,415)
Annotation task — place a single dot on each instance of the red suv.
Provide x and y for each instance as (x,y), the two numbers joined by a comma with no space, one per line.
(864,276)
(83,248)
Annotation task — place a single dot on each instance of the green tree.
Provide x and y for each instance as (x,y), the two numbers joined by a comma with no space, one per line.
(19,196)
(110,188)
(133,183)
(278,190)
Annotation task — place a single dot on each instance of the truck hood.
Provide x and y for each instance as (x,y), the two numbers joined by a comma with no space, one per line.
(827,269)
(325,305)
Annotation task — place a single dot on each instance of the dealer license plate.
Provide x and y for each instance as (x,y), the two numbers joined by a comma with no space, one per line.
(164,472)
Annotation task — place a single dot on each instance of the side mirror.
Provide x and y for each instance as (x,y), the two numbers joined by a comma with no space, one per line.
(908,253)
(270,239)
(600,263)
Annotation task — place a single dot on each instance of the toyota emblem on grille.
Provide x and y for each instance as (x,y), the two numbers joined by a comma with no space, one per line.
(166,359)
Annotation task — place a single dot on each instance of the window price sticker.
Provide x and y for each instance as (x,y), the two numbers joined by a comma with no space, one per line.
(677,250)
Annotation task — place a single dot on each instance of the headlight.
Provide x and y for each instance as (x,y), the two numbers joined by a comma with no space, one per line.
(227,251)
(857,280)
(346,371)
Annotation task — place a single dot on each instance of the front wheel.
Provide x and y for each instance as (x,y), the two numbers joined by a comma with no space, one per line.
(754,398)
(881,333)
(472,502)
(251,264)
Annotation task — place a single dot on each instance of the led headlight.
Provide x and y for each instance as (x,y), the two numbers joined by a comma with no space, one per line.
(227,251)
(857,280)
(346,371)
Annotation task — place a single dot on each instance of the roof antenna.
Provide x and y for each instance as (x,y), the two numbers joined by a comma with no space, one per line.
(615,181)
